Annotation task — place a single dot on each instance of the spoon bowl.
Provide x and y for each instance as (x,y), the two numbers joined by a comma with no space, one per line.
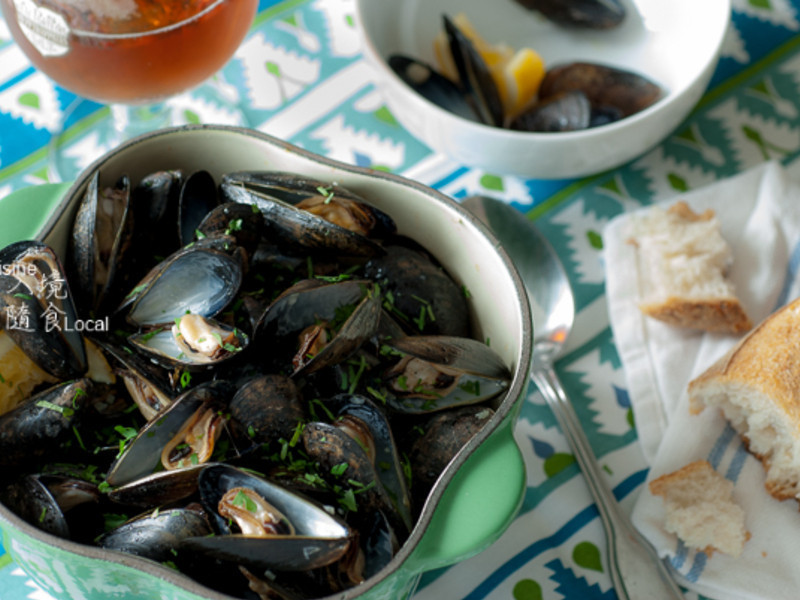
(635,568)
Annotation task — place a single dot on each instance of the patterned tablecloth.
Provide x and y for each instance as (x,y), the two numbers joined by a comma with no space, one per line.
(300,76)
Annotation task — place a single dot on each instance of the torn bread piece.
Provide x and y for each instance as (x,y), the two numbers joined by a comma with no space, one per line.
(701,510)
(683,264)
(757,387)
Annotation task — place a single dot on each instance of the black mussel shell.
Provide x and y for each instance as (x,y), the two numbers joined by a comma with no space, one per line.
(196,279)
(38,426)
(143,454)
(424,298)
(37,309)
(603,85)
(198,197)
(157,534)
(277,196)
(474,76)
(568,111)
(267,408)
(319,538)
(100,245)
(589,14)
(433,86)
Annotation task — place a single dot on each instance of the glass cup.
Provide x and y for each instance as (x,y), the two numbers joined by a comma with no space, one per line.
(131,54)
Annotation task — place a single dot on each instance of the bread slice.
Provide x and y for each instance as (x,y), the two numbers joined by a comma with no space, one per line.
(701,510)
(757,386)
(683,262)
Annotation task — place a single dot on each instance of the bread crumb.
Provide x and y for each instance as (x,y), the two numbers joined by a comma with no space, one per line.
(700,509)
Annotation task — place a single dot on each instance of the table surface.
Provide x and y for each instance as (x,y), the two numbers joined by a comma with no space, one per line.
(315,90)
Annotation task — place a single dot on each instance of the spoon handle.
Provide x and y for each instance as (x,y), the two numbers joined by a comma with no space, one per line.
(635,568)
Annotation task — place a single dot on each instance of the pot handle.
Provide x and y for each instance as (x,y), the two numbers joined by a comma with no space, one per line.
(478,505)
(25,212)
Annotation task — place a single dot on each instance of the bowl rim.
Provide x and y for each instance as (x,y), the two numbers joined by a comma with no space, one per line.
(371,52)
(505,410)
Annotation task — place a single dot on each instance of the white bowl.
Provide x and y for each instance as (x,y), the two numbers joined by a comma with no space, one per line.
(675,43)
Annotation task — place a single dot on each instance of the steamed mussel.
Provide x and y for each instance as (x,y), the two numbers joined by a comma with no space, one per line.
(247,405)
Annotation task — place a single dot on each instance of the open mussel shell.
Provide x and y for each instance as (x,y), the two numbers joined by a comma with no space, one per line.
(319,538)
(439,372)
(432,85)
(63,505)
(310,216)
(143,454)
(360,326)
(588,14)
(603,85)
(474,76)
(204,345)
(37,309)
(351,306)
(156,535)
(196,279)
(333,448)
(38,426)
(148,385)
(353,411)
(102,235)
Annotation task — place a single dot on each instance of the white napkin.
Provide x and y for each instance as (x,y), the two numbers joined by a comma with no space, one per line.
(759,214)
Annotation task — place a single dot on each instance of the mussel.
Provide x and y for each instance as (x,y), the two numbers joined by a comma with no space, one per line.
(438,372)
(37,427)
(568,97)
(204,279)
(37,309)
(102,236)
(181,435)
(589,14)
(309,215)
(270,527)
(248,392)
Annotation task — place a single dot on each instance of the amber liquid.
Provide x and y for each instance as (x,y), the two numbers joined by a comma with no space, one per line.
(157,49)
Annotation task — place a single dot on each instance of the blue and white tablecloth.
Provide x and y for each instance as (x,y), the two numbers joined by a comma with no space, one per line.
(300,76)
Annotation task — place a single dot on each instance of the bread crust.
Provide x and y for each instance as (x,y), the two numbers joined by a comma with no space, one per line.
(723,316)
(760,377)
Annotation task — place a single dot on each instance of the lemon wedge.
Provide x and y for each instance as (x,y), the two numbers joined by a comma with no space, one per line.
(517,75)
(523,75)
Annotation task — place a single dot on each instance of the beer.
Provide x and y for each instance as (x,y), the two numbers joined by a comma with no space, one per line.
(128,51)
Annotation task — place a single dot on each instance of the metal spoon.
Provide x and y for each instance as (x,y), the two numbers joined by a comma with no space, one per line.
(636,570)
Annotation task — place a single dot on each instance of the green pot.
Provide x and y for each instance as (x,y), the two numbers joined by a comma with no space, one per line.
(477,495)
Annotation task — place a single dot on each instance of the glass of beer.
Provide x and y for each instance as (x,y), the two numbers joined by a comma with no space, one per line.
(131,54)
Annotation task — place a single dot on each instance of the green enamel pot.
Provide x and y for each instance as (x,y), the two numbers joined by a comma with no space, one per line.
(479,493)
